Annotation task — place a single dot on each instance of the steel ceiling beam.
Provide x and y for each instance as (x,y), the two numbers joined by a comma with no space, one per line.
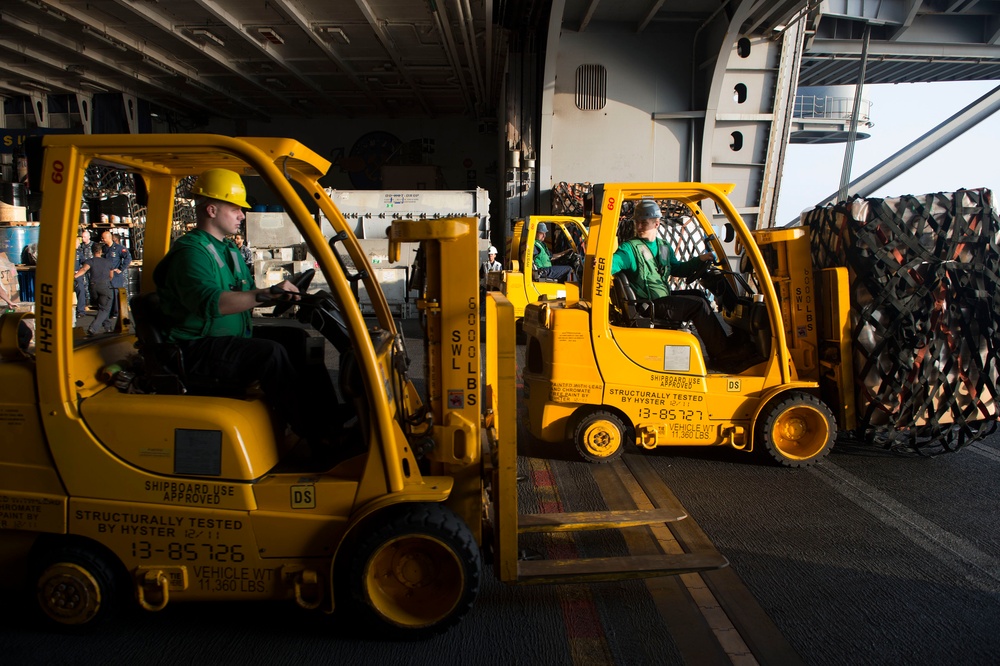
(588,15)
(390,48)
(102,60)
(150,53)
(58,86)
(769,16)
(213,53)
(238,26)
(290,9)
(852,48)
(649,15)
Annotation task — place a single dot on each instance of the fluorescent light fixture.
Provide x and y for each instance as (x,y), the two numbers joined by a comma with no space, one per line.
(160,66)
(104,38)
(271,35)
(207,35)
(45,8)
(35,86)
(333,32)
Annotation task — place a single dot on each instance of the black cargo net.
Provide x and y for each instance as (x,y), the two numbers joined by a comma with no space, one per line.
(924,315)
(184,213)
(571,199)
(107,182)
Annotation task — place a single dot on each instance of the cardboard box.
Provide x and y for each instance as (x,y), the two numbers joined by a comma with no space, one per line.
(8,278)
(10,213)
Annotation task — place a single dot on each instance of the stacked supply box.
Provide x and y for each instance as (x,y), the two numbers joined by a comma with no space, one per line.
(925,316)
(371,212)
(280,251)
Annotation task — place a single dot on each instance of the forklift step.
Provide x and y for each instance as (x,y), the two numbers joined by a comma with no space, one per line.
(596,520)
(617,568)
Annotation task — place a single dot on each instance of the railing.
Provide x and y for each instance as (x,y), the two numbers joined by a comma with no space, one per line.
(831,108)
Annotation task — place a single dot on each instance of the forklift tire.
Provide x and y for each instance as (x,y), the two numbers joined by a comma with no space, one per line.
(599,437)
(797,430)
(416,572)
(75,586)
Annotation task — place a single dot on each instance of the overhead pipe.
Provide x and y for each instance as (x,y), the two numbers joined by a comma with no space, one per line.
(470,31)
(444,28)
(691,97)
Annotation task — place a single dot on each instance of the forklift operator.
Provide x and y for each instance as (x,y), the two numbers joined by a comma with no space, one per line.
(207,294)
(542,260)
(648,262)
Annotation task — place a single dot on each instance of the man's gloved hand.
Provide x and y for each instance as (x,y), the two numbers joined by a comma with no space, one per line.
(284,291)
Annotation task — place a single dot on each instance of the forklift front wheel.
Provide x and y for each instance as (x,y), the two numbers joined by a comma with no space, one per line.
(75,586)
(599,437)
(797,430)
(418,573)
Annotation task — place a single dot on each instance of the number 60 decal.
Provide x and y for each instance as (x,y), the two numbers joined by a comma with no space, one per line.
(57,172)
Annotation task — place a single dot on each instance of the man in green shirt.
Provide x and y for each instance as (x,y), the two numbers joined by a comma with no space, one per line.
(542,260)
(207,294)
(648,261)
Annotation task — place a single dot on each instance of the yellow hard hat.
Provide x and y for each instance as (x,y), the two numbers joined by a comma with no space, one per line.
(221,184)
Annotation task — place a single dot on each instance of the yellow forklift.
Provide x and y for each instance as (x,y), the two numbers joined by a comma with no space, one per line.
(603,372)
(565,237)
(118,488)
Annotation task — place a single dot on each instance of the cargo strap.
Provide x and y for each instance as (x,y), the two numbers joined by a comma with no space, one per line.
(925,321)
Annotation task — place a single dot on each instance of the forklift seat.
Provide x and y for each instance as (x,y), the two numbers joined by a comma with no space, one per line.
(163,362)
(632,311)
(628,310)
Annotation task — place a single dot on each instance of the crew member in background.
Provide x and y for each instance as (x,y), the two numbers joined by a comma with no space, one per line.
(100,283)
(491,265)
(542,261)
(81,285)
(120,259)
(245,251)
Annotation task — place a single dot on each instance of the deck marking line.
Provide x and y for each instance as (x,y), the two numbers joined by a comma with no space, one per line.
(985,451)
(957,553)
(584,630)
(719,623)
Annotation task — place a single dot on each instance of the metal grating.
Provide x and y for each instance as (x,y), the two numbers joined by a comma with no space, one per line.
(591,87)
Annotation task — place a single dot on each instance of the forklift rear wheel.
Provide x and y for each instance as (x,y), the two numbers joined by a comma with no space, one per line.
(75,586)
(797,430)
(417,572)
(600,437)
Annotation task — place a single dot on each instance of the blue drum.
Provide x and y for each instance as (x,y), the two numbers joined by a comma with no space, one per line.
(13,240)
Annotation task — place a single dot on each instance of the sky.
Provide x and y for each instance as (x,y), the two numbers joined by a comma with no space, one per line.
(900,112)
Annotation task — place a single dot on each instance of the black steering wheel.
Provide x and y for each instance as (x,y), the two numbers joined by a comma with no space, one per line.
(702,270)
(301,282)
(713,278)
